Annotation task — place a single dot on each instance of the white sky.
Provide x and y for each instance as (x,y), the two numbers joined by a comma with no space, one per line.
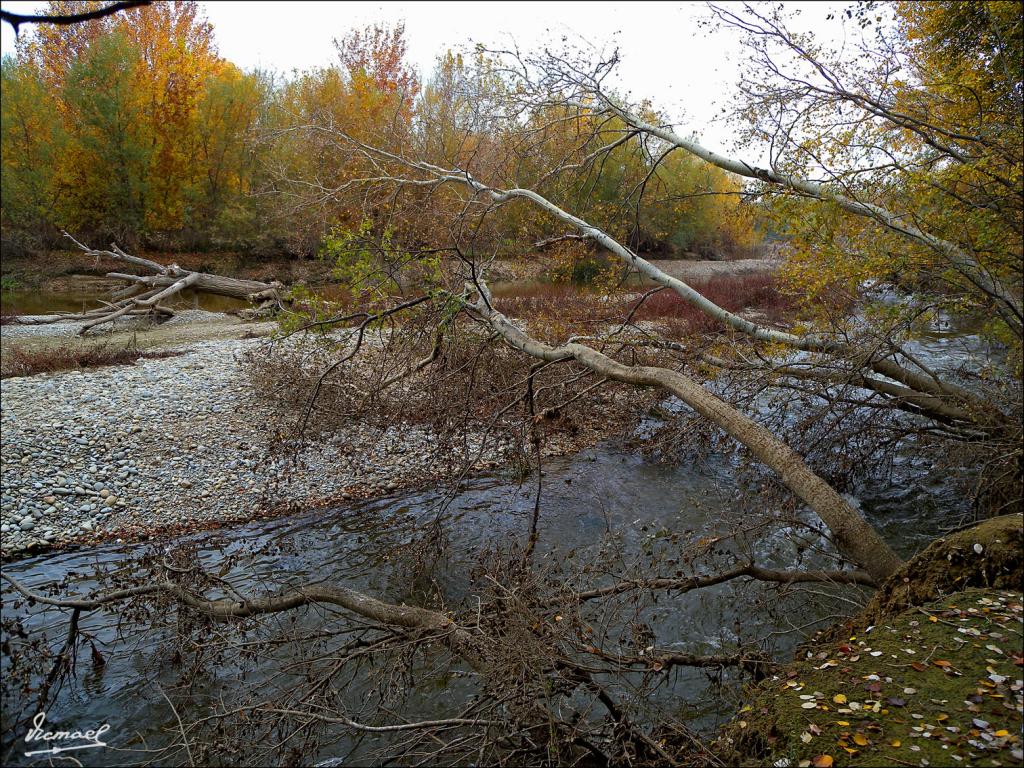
(684,69)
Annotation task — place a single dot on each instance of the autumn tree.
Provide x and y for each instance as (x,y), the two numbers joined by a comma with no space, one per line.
(160,132)
(33,145)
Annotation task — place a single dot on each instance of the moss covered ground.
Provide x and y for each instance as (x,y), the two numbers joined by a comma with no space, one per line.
(935,685)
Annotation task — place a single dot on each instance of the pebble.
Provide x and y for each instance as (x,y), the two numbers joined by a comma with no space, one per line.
(195,451)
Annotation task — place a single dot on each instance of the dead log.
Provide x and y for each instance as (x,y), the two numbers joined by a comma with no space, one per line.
(144,295)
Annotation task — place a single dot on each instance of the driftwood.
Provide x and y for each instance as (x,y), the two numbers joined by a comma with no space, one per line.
(144,294)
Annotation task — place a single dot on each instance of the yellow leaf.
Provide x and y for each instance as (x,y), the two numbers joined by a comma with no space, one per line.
(860,739)
(822,761)
(839,698)
(895,743)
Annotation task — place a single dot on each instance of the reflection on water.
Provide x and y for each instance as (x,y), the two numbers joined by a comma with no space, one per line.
(47,302)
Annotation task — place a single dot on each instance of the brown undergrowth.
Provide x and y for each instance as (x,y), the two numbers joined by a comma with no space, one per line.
(21,360)
(473,390)
(560,307)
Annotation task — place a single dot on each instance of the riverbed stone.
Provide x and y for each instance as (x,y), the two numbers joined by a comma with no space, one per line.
(146,471)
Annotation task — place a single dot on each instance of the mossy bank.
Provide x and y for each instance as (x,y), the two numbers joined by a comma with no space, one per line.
(929,674)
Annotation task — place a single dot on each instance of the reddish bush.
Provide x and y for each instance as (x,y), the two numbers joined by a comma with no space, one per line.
(565,303)
(23,361)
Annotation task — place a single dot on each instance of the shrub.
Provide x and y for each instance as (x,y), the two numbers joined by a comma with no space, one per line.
(24,361)
(553,308)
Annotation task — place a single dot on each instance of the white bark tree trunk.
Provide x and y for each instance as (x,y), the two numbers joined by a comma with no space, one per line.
(853,535)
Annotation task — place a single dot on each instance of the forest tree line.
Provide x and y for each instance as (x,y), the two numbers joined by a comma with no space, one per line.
(132,128)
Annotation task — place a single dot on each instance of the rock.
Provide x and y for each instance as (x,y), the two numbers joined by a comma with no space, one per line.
(27,524)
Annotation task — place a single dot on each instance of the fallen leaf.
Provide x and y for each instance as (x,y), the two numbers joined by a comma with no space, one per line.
(822,761)
(918,666)
(860,739)
(805,737)
(895,743)
(839,698)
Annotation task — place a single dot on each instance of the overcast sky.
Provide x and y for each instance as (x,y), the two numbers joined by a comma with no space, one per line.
(666,56)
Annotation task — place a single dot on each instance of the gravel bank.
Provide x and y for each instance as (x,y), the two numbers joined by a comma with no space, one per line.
(172,444)
(705,270)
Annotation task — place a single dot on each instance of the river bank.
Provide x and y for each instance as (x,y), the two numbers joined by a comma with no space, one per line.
(928,674)
(184,443)
(168,445)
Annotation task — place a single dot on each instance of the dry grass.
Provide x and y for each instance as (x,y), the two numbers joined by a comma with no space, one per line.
(24,361)
(559,305)
(736,293)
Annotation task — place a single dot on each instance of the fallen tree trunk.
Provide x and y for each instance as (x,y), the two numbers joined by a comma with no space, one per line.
(853,535)
(145,293)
